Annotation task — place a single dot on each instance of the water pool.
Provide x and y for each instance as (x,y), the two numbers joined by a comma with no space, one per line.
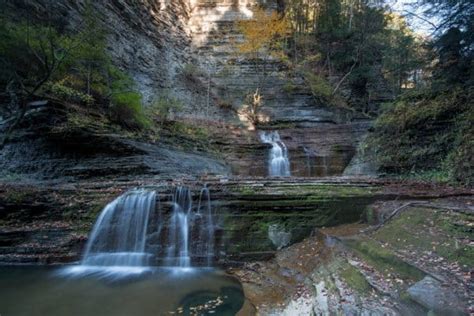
(28,291)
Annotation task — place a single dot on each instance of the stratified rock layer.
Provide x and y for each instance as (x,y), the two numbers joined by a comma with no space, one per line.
(49,223)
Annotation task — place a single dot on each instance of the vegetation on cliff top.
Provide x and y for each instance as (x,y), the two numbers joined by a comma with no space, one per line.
(343,50)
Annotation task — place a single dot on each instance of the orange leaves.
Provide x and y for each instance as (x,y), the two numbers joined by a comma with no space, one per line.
(262,32)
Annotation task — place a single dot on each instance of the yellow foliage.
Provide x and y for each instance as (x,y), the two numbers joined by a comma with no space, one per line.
(262,32)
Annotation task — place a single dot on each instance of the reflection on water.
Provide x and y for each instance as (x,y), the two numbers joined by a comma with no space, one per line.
(156,291)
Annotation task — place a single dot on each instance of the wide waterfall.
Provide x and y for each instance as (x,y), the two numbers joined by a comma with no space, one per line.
(278,163)
(132,234)
(119,234)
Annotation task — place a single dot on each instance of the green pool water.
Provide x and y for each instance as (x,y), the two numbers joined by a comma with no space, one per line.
(29,291)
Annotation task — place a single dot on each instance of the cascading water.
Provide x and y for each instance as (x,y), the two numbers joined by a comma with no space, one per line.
(190,230)
(279,163)
(119,234)
(132,231)
(178,238)
(207,228)
(117,243)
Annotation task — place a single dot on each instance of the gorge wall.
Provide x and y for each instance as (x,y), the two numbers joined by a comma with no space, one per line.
(321,139)
(149,40)
(186,49)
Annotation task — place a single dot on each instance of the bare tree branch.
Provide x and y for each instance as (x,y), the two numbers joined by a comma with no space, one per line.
(434,26)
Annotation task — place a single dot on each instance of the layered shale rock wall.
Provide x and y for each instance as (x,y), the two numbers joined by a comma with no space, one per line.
(189,49)
(321,139)
(147,38)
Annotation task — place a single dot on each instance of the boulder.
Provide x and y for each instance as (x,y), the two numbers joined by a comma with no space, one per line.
(431,294)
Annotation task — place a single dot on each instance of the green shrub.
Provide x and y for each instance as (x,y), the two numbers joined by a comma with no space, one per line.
(427,135)
(197,133)
(319,86)
(65,93)
(290,87)
(191,71)
(163,107)
(127,110)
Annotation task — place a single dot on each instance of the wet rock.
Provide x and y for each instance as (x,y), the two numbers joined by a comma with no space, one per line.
(363,162)
(430,293)
(279,237)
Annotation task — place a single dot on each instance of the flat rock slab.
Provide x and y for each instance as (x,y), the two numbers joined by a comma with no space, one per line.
(431,294)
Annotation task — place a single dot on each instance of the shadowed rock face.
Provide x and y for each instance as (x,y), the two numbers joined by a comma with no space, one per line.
(44,160)
(148,39)
(42,150)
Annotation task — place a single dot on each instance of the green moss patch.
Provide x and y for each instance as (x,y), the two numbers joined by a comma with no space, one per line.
(425,230)
(384,260)
(355,280)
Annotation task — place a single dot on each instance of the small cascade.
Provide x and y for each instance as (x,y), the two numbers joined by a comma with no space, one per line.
(317,165)
(207,228)
(325,166)
(279,163)
(190,229)
(310,160)
(119,234)
(178,237)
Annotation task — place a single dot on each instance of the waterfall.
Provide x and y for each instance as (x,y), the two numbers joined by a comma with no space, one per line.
(119,234)
(178,238)
(205,248)
(132,233)
(190,230)
(279,163)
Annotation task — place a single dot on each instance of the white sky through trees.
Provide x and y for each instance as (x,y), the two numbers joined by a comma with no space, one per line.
(414,15)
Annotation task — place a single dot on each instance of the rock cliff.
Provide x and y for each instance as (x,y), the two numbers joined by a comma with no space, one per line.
(188,49)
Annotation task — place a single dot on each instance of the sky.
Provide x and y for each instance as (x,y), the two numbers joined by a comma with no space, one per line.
(418,25)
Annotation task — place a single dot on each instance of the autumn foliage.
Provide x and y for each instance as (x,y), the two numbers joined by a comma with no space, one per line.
(263,33)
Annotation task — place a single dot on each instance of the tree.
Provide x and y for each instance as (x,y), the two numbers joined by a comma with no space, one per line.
(428,132)
(91,60)
(41,60)
(31,55)
(454,40)
(263,35)
(403,54)
(253,107)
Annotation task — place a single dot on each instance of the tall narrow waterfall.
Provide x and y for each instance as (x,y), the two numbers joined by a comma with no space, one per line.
(119,234)
(278,163)
(205,217)
(190,229)
(178,240)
